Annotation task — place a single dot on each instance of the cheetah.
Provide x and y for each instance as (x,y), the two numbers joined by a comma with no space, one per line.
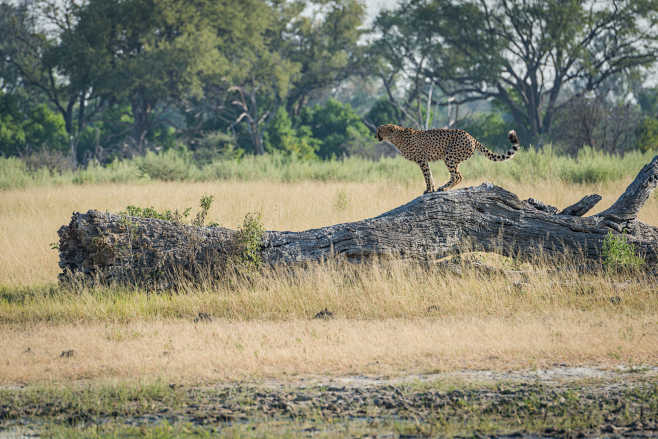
(451,146)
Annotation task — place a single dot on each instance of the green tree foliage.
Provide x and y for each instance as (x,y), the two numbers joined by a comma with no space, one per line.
(103,139)
(648,100)
(281,136)
(383,112)
(31,129)
(648,129)
(334,124)
(239,76)
(147,53)
(648,134)
(489,128)
(29,54)
(523,53)
(253,75)
(399,57)
(326,47)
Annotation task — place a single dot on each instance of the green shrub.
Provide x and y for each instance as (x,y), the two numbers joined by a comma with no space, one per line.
(648,134)
(333,124)
(250,241)
(119,171)
(204,203)
(29,128)
(150,212)
(169,165)
(619,254)
(281,136)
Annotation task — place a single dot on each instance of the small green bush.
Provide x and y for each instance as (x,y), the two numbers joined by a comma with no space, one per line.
(150,212)
(619,254)
(250,241)
(172,215)
(169,165)
(204,203)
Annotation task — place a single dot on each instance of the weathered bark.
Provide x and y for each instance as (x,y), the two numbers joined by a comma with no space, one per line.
(583,206)
(104,247)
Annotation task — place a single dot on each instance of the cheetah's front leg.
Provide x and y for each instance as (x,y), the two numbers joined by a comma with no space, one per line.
(427,173)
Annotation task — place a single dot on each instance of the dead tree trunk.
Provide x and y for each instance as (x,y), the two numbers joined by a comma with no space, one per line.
(104,247)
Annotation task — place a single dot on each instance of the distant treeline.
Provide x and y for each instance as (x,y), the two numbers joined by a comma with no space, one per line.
(98,80)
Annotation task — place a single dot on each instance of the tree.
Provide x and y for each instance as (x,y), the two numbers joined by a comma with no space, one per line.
(524,53)
(324,44)
(27,128)
(252,76)
(148,53)
(334,125)
(382,112)
(30,49)
(290,57)
(281,136)
(9,74)
(399,57)
(597,122)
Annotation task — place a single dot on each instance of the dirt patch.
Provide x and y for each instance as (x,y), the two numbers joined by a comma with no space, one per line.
(560,402)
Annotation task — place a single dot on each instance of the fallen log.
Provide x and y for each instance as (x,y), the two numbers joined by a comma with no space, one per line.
(101,247)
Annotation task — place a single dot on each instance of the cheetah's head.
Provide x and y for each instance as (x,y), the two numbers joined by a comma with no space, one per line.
(384,132)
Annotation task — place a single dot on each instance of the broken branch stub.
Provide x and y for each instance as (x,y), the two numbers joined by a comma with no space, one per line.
(583,206)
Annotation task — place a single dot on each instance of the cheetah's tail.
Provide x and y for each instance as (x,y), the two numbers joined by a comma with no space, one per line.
(514,140)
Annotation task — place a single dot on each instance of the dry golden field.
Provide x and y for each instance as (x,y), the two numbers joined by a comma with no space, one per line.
(390,319)
(29,218)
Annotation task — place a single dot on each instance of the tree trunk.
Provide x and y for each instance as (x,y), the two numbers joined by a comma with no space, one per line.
(103,247)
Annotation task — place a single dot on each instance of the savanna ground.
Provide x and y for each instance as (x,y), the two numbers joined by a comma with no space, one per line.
(402,355)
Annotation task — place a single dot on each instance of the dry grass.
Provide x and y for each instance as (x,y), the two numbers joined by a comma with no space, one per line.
(372,291)
(29,218)
(222,350)
(391,317)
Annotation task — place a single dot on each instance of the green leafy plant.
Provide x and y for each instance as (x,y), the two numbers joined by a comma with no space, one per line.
(205,203)
(175,216)
(150,212)
(618,253)
(250,240)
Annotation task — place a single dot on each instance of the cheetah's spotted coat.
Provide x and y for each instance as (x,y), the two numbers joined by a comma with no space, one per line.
(451,146)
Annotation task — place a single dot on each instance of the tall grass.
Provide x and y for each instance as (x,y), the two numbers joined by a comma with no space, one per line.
(381,290)
(589,166)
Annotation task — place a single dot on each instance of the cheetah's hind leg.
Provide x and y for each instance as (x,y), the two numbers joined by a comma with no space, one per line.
(427,173)
(455,177)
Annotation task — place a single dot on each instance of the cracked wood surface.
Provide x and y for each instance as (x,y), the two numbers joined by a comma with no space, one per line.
(105,247)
